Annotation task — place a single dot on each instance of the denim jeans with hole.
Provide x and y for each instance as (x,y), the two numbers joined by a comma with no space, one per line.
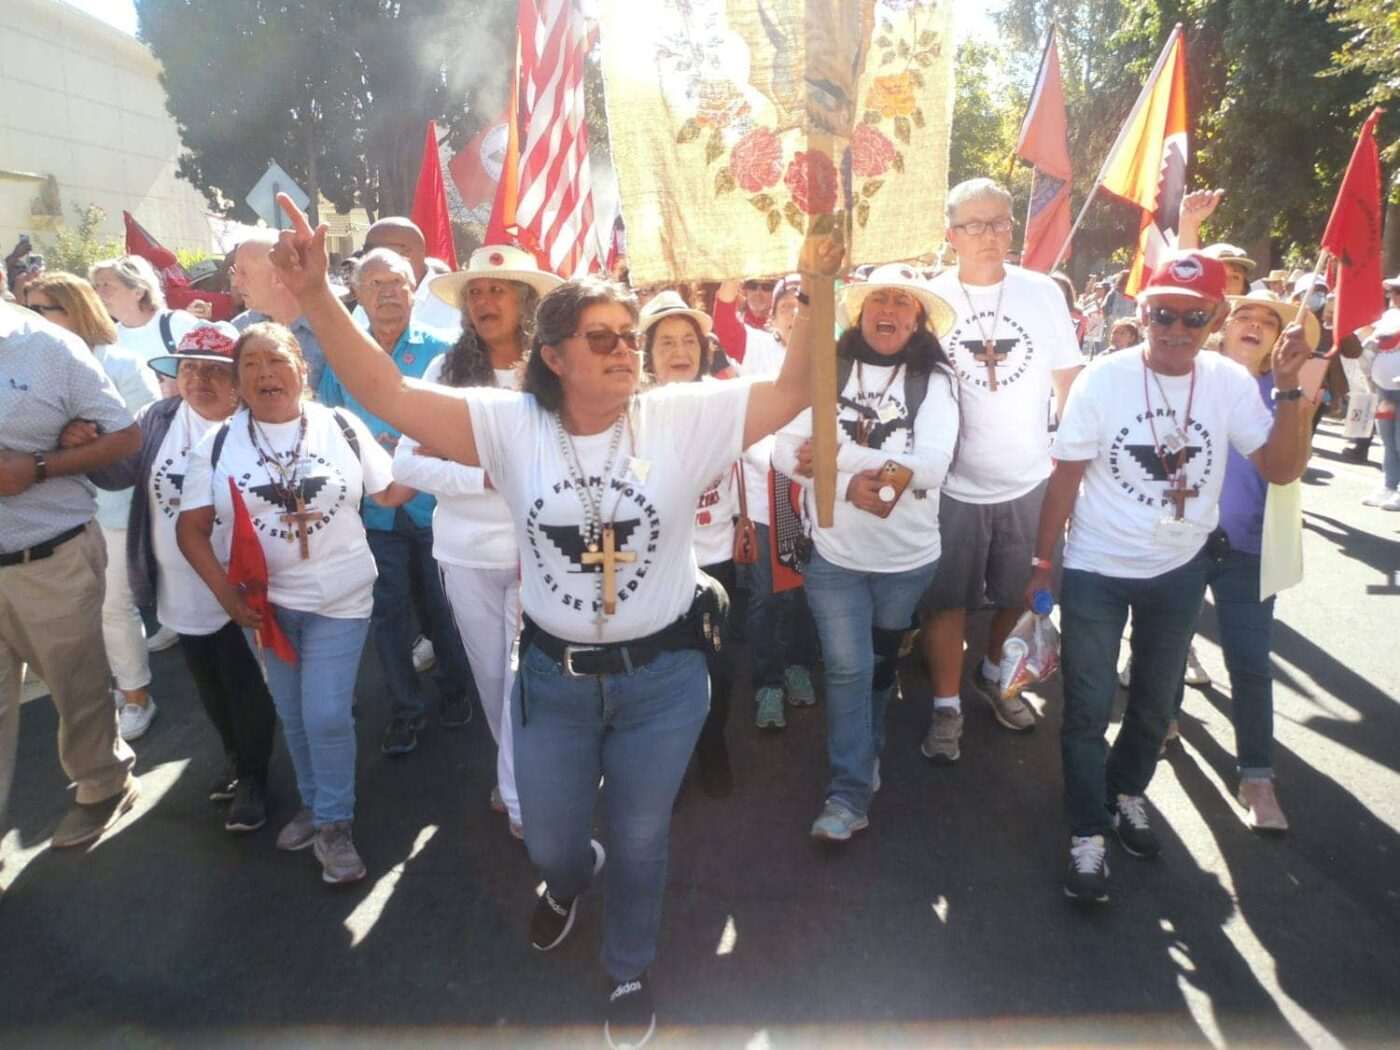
(779,626)
(636,731)
(314,700)
(847,606)
(1093,612)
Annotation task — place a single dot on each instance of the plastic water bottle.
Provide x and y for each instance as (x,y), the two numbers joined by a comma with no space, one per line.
(1042,602)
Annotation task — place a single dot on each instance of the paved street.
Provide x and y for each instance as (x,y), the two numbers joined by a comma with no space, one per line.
(942,924)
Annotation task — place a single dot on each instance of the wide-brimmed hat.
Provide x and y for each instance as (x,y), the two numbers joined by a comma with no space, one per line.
(1192,273)
(1284,311)
(504,262)
(208,341)
(903,278)
(1392,284)
(1231,255)
(670,304)
(1279,276)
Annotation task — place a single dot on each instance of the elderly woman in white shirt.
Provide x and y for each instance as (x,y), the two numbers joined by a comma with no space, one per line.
(473,536)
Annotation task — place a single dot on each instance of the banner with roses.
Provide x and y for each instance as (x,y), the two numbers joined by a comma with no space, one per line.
(710,104)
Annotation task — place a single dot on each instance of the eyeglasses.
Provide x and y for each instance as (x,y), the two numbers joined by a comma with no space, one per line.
(760,286)
(604,341)
(977,227)
(1163,317)
(49,309)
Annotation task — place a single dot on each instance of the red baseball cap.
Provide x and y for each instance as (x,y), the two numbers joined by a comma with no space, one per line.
(1188,273)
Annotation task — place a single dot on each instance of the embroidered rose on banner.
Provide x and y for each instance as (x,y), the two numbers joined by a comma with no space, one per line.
(892,96)
(871,153)
(757,160)
(812,180)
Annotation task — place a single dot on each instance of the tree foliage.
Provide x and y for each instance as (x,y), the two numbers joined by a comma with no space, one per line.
(75,249)
(336,91)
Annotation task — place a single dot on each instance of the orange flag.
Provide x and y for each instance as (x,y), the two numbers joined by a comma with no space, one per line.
(1147,165)
(501,227)
(1045,145)
(1354,237)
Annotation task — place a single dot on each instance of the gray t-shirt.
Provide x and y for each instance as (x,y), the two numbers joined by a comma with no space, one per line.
(48,378)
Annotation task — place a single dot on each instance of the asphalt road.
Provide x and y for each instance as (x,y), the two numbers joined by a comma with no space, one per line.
(943,924)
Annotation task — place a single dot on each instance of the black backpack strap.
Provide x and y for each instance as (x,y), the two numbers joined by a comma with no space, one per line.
(844,367)
(351,438)
(218,448)
(166,335)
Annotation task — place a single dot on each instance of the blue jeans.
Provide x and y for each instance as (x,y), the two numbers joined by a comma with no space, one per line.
(1246,634)
(1389,430)
(634,730)
(403,556)
(858,613)
(1093,611)
(314,701)
(779,626)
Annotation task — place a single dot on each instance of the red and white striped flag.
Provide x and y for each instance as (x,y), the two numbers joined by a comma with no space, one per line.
(553,215)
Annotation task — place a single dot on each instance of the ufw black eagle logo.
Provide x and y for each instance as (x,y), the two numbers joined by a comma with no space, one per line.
(272,494)
(876,432)
(571,542)
(1165,466)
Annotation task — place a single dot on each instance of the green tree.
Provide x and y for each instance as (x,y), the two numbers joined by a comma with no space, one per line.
(74,250)
(337,91)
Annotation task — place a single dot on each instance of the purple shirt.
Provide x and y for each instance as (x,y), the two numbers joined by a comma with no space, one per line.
(1244,491)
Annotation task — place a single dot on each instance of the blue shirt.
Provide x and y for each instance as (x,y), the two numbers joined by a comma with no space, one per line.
(1244,491)
(416,347)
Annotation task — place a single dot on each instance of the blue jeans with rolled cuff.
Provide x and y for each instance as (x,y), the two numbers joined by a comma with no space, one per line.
(861,618)
(778,626)
(1093,611)
(634,730)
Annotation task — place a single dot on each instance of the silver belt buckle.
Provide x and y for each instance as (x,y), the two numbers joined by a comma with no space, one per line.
(569,651)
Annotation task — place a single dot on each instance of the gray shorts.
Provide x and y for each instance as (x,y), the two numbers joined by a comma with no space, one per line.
(987,551)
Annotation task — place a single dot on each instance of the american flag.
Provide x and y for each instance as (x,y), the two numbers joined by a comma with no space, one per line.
(554,204)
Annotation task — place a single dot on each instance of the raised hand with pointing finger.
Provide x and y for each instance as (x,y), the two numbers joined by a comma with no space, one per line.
(300,254)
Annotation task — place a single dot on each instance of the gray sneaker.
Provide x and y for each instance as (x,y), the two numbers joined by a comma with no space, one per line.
(770,708)
(299,832)
(797,682)
(838,822)
(1014,713)
(940,746)
(335,849)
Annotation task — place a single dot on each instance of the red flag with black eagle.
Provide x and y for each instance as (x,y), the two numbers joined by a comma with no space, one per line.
(1353,237)
(247,571)
(1044,144)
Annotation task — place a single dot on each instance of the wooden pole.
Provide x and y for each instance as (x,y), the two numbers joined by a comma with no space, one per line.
(824,394)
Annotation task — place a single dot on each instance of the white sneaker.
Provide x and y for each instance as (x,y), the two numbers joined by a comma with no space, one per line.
(1378,498)
(135,719)
(161,640)
(1196,675)
(423,655)
(1393,502)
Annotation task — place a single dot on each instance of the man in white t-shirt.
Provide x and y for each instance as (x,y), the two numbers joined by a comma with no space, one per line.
(1140,462)
(1014,344)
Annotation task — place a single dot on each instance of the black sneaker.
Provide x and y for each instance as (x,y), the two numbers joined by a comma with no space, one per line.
(1087,878)
(631,1016)
(1130,822)
(456,713)
(222,788)
(249,809)
(553,919)
(401,735)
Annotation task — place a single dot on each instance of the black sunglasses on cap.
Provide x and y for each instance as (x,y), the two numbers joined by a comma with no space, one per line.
(759,286)
(1165,317)
(604,341)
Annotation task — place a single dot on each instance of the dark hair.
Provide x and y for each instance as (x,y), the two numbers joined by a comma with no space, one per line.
(273,333)
(469,362)
(706,350)
(556,319)
(922,353)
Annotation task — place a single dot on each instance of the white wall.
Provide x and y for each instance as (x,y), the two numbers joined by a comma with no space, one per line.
(82,101)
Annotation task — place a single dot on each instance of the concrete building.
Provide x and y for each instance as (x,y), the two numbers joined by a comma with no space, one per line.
(83,121)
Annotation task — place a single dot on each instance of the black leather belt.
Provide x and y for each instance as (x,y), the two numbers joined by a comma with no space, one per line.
(583,661)
(40,551)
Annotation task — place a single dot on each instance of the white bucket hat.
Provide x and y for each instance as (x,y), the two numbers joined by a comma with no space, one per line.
(504,262)
(670,304)
(904,278)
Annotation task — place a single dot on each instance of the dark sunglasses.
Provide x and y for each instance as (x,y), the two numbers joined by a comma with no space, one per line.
(604,341)
(1164,317)
(760,286)
(47,309)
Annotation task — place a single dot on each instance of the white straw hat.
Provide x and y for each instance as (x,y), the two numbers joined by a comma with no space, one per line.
(504,262)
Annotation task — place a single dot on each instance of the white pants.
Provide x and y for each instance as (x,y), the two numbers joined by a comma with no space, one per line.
(122,631)
(486,606)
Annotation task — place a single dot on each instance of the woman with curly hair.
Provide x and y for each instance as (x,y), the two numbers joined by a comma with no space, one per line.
(473,538)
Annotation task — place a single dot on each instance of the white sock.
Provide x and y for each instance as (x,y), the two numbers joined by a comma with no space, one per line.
(990,670)
(948,703)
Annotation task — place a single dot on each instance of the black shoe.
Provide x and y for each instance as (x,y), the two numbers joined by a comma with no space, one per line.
(456,713)
(553,919)
(222,788)
(716,776)
(401,735)
(1087,877)
(631,1015)
(1130,822)
(249,809)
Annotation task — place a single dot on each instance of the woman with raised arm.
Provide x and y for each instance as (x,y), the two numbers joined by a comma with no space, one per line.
(602,486)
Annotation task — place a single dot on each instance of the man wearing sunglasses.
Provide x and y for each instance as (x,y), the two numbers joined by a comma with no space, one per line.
(1140,462)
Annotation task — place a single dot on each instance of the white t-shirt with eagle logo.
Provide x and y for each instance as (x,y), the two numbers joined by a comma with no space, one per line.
(337,580)
(1004,448)
(1115,527)
(685,434)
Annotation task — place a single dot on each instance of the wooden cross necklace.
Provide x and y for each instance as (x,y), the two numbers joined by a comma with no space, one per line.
(286,483)
(1176,443)
(865,425)
(989,355)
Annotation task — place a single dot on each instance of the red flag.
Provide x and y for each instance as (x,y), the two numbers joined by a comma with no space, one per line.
(139,242)
(1353,237)
(1045,145)
(1147,165)
(476,170)
(430,203)
(247,570)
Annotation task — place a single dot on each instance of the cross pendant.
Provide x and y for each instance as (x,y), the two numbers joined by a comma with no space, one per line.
(609,558)
(991,359)
(299,518)
(1179,493)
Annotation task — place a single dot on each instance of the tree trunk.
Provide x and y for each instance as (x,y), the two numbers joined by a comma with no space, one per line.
(1390,246)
